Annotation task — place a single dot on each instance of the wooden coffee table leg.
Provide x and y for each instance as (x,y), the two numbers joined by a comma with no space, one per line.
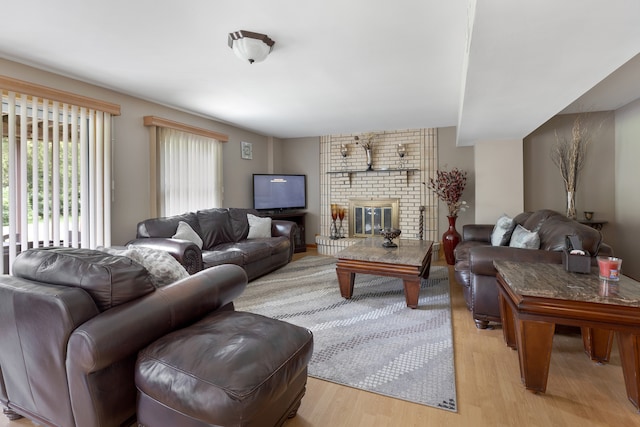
(345,280)
(506,317)
(534,340)
(597,343)
(412,291)
(629,349)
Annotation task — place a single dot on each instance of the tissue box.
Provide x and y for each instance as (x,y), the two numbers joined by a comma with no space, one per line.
(576,263)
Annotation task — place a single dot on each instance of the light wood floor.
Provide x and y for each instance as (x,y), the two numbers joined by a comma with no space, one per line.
(579,392)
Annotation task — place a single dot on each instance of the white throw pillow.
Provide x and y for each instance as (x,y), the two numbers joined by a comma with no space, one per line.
(502,231)
(523,238)
(258,227)
(185,232)
(163,267)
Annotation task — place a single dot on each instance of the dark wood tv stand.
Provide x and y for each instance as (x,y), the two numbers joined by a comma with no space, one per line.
(298,218)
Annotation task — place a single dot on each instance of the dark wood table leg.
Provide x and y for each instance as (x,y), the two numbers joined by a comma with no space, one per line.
(345,280)
(629,349)
(534,340)
(427,268)
(506,317)
(597,343)
(412,291)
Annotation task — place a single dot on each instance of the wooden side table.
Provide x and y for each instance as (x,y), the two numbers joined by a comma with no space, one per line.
(535,296)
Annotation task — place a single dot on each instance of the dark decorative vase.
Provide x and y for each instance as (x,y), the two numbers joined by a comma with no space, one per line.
(450,240)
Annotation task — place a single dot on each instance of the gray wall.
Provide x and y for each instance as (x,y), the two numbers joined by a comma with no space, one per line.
(131,153)
(544,187)
(609,185)
(449,157)
(627,202)
(302,155)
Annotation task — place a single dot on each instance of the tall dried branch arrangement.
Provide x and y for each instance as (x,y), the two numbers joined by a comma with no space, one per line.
(569,154)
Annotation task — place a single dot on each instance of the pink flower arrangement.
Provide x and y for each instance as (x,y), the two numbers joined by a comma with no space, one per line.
(448,186)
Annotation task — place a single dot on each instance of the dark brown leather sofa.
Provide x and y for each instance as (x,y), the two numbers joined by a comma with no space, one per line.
(224,234)
(475,254)
(72,322)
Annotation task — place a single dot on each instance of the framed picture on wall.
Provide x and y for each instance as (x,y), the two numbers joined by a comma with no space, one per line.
(246,150)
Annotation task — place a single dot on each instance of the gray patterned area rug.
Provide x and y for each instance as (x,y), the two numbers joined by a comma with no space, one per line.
(372,341)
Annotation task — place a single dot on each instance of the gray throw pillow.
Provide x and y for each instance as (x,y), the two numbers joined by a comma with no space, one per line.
(258,227)
(185,232)
(523,238)
(163,268)
(502,231)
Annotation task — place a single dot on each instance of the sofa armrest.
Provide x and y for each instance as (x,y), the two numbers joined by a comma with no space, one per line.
(37,320)
(122,331)
(104,349)
(479,232)
(186,252)
(481,257)
(281,227)
(605,250)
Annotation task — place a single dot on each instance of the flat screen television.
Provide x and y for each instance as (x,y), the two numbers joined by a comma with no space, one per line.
(279,192)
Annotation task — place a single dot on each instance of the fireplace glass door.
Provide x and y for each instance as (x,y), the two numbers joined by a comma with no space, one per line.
(368,217)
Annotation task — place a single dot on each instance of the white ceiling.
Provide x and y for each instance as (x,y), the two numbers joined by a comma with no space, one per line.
(496,69)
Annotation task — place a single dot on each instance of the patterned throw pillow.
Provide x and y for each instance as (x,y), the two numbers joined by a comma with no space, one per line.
(163,268)
(258,227)
(523,238)
(502,231)
(185,232)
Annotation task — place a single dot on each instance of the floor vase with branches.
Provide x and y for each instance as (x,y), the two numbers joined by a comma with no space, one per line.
(569,156)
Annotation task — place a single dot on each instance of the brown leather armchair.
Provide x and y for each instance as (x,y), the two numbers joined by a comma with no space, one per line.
(474,256)
(72,322)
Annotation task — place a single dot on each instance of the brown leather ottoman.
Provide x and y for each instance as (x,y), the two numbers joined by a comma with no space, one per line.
(229,369)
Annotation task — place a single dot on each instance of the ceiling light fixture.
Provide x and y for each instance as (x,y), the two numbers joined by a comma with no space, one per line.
(248,46)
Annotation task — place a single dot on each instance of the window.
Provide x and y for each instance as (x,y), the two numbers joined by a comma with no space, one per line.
(56,171)
(186,168)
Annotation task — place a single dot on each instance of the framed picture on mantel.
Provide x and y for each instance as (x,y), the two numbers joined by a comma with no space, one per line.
(246,150)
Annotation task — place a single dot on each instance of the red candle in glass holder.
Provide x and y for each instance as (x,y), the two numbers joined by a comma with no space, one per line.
(609,267)
(341,213)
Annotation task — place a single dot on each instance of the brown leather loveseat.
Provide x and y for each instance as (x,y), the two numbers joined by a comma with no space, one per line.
(224,234)
(72,322)
(475,254)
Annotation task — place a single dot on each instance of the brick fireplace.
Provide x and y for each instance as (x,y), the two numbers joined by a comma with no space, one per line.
(345,181)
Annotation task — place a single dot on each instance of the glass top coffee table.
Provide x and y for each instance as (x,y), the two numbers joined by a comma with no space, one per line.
(410,261)
(535,296)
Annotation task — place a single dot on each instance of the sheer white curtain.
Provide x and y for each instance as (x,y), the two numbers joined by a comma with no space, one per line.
(56,175)
(189,172)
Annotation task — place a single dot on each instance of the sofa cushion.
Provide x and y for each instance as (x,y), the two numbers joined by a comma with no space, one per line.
(216,227)
(554,231)
(110,280)
(251,250)
(278,244)
(185,232)
(536,219)
(220,256)
(258,227)
(240,222)
(502,231)
(167,226)
(523,238)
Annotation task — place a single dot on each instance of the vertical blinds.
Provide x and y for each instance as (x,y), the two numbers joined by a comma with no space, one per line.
(189,172)
(56,175)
